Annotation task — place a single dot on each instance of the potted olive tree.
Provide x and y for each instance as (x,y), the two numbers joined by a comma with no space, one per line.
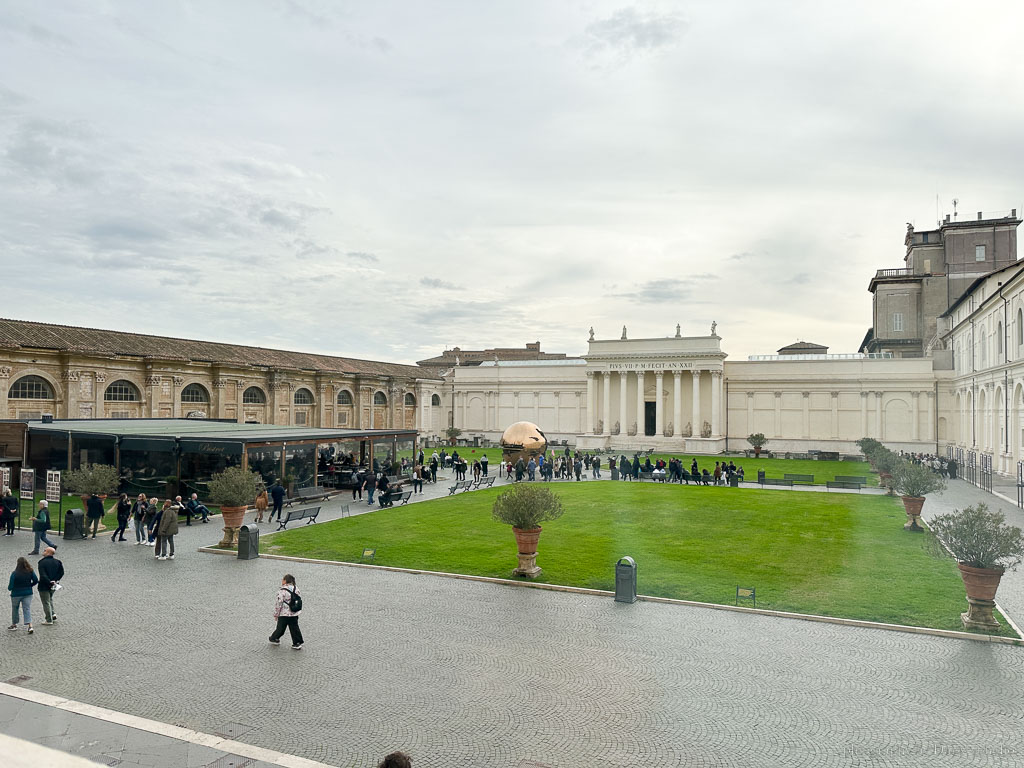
(92,479)
(525,506)
(234,489)
(757,440)
(912,481)
(984,547)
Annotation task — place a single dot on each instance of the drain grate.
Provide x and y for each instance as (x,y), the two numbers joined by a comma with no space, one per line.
(532,764)
(20,679)
(230,761)
(106,760)
(232,730)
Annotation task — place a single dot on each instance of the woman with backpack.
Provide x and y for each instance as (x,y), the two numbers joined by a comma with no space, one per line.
(287,607)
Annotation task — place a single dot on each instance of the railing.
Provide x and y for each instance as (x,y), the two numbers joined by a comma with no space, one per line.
(846,356)
(970,473)
(986,473)
(901,272)
(1020,484)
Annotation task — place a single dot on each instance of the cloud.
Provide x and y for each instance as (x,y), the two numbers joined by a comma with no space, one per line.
(257,168)
(657,291)
(433,282)
(361,256)
(629,31)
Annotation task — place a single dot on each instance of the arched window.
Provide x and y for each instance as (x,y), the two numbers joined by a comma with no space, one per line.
(983,344)
(410,400)
(999,338)
(958,359)
(344,397)
(379,398)
(31,388)
(254,396)
(303,397)
(435,399)
(195,393)
(121,391)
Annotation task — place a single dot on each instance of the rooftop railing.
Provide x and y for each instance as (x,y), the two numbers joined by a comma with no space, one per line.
(847,356)
(902,272)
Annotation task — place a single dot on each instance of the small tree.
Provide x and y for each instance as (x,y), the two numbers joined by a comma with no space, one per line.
(526,506)
(980,538)
(452,434)
(235,487)
(910,479)
(93,479)
(757,441)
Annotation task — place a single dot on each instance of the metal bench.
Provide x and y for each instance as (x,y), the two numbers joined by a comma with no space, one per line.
(851,479)
(485,482)
(306,513)
(315,493)
(799,478)
(843,484)
(647,476)
(461,485)
(777,481)
(401,496)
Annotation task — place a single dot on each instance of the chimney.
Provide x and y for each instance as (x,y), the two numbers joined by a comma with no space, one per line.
(1013,213)
(947,219)
(979,215)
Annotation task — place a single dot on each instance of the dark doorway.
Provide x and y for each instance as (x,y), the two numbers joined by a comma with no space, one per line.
(650,416)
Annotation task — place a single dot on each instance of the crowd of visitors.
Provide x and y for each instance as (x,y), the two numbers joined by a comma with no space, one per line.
(947,468)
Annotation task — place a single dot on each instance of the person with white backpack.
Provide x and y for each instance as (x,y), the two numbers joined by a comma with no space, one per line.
(287,607)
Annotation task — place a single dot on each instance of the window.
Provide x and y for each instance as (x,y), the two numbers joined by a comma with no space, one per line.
(924,237)
(254,396)
(303,397)
(120,414)
(122,392)
(927,266)
(379,398)
(410,400)
(342,419)
(300,418)
(999,339)
(194,393)
(983,343)
(344,397)
(979,253)
(435,399)
(31,388)
(1020,327)
(897,321)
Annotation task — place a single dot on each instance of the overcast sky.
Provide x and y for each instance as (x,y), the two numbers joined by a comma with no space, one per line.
(385,179)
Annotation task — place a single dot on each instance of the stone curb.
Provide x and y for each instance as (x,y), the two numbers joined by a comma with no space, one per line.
(161,729)
(948,633)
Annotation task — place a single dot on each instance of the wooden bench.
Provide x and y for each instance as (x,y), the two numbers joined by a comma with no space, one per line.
(851,479)
(402,496)
(799,478)
(316,493)
(843,484)
(777,481)
(461,485)
(306,513)
(485,482)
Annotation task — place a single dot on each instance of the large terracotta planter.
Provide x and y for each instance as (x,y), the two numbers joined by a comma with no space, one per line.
(526,544)
(233,517)
(913,504)
(981,585)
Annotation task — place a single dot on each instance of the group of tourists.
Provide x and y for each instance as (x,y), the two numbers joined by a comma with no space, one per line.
(940,465)
(23,579)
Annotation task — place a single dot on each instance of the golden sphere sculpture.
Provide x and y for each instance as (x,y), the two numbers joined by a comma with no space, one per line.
(522,440)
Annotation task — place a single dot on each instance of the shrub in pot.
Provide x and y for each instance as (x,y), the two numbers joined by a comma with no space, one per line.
(525,506)
(984,547)
(234,489)
(757,441)
(912,481)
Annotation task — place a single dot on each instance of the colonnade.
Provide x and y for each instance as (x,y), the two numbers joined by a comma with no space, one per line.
(609,415)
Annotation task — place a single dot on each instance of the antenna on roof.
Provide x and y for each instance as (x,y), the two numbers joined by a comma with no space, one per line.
(955,201)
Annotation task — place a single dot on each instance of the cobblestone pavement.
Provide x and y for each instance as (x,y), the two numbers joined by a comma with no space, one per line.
(465,673)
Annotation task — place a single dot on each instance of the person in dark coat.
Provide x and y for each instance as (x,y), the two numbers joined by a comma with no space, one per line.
(124,510)
(8,511)
(383,492)
(277,494)
(636,466)
(23,578)
(139,513)
(578,466)
(93,513)
(40,525)
(51,571)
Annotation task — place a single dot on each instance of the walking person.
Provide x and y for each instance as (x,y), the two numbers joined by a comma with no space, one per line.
(40,525)
(370,486)
(165,530)
(263,501)
(417,479)
(433,468)
(138,515)
(51,571)
(23,578)
(287,607)
(277,494)
(93,513)
(124,510)
(8,511)
(483,464)
(595,465)
(150,520)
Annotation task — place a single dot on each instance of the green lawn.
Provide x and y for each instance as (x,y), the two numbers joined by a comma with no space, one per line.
(841,555)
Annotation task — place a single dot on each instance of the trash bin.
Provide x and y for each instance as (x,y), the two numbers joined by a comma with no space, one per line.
(74,524)
(625,580)
(734,481)
(760,476)
(615,473)
(248,542)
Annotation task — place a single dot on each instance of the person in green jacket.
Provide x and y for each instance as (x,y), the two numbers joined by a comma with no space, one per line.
(40,525)
(23,578)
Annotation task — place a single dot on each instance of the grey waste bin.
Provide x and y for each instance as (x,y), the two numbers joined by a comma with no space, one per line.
(760,476)
(248,542)
(615,473)
(625,580)
(74,524)
(734,481)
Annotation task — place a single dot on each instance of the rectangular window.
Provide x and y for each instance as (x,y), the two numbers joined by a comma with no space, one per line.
(300,418)
(924,237)
(897,321)
(979,253)
(927,266)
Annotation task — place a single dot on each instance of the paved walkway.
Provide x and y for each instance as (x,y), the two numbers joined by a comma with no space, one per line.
(469,674)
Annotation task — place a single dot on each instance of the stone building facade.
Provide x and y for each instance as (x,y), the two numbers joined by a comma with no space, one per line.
(70,372)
